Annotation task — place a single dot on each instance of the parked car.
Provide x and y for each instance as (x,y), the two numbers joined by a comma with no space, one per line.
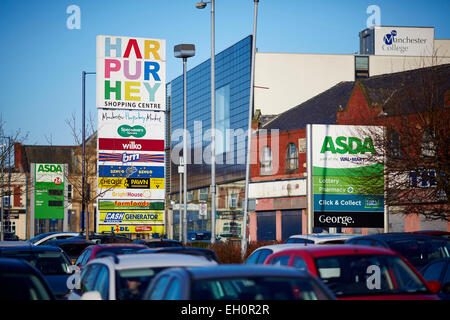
(319,238)
(43,238)
(99,250)
(159,243)
(125,277)
(236,282)
(10,236)
(359,272)
(419,249)
(73,247)
(204,252)
(259,255)
(105,237)
(445,234)
(16,243)
(52,262)
(200,236)
(21,281)
(439,270)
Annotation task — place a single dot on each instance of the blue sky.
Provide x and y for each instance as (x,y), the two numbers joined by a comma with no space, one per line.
(42,60)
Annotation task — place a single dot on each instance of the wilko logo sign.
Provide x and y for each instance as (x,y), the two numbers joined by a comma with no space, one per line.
(126,144)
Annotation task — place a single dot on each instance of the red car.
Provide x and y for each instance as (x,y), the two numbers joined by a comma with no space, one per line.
(97,250)
(360,272)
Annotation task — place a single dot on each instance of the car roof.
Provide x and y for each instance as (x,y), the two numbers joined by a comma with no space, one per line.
(15,244)
(335,250)
(324,237)
(238,270)
(15,265)
(399,236)
(136,261)
(32,248)
(282,246)
(96,247)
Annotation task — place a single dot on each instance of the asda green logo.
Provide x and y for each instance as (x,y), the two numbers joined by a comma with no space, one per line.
(351,145)
(128,131)
(49,168)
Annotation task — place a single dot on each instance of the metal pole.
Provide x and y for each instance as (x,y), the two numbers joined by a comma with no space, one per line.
(179,209)
(83,182)
(9,184)
(2,228)
(213,129)
(249,135)
(309,178)
(184,154)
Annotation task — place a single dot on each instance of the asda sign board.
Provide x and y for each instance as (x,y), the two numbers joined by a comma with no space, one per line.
(49,190)
(346,171)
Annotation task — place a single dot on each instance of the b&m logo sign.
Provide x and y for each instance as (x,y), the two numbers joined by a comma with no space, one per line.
(131,73)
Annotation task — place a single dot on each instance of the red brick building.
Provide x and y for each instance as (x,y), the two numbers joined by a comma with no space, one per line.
(278,170)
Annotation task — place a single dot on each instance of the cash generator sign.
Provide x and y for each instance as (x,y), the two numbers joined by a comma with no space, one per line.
(404,41)
(347,174)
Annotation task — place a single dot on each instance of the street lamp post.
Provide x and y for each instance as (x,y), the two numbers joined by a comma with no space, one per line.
(83,178)
(249,134)
(184,51)
(2,228)
(202,5)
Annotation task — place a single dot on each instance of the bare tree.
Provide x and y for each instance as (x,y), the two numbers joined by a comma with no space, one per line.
(414,148)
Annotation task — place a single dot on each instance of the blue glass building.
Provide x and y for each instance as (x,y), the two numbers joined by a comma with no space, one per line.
(232,84)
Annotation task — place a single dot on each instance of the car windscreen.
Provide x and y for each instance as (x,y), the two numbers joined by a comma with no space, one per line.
(257,288)
(37,238)
(47,262)
(362,275)
(161,244)
(419,252)
(132,283)
(201,236)
(299,240)
(22,286)
(117,250)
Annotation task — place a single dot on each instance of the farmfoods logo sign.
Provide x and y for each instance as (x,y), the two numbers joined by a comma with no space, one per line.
(347,179)
(404,41)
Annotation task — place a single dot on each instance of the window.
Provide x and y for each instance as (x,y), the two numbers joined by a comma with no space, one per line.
(222,109)
(434,271)
(173,292)
(102,283)
(361,67)
(88,277)
(299,263)
(394,151)
(280,260)
(428,143)
(291,157)
(190,196)
(266,161)
(159,288)
(203,194)
(234,200)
